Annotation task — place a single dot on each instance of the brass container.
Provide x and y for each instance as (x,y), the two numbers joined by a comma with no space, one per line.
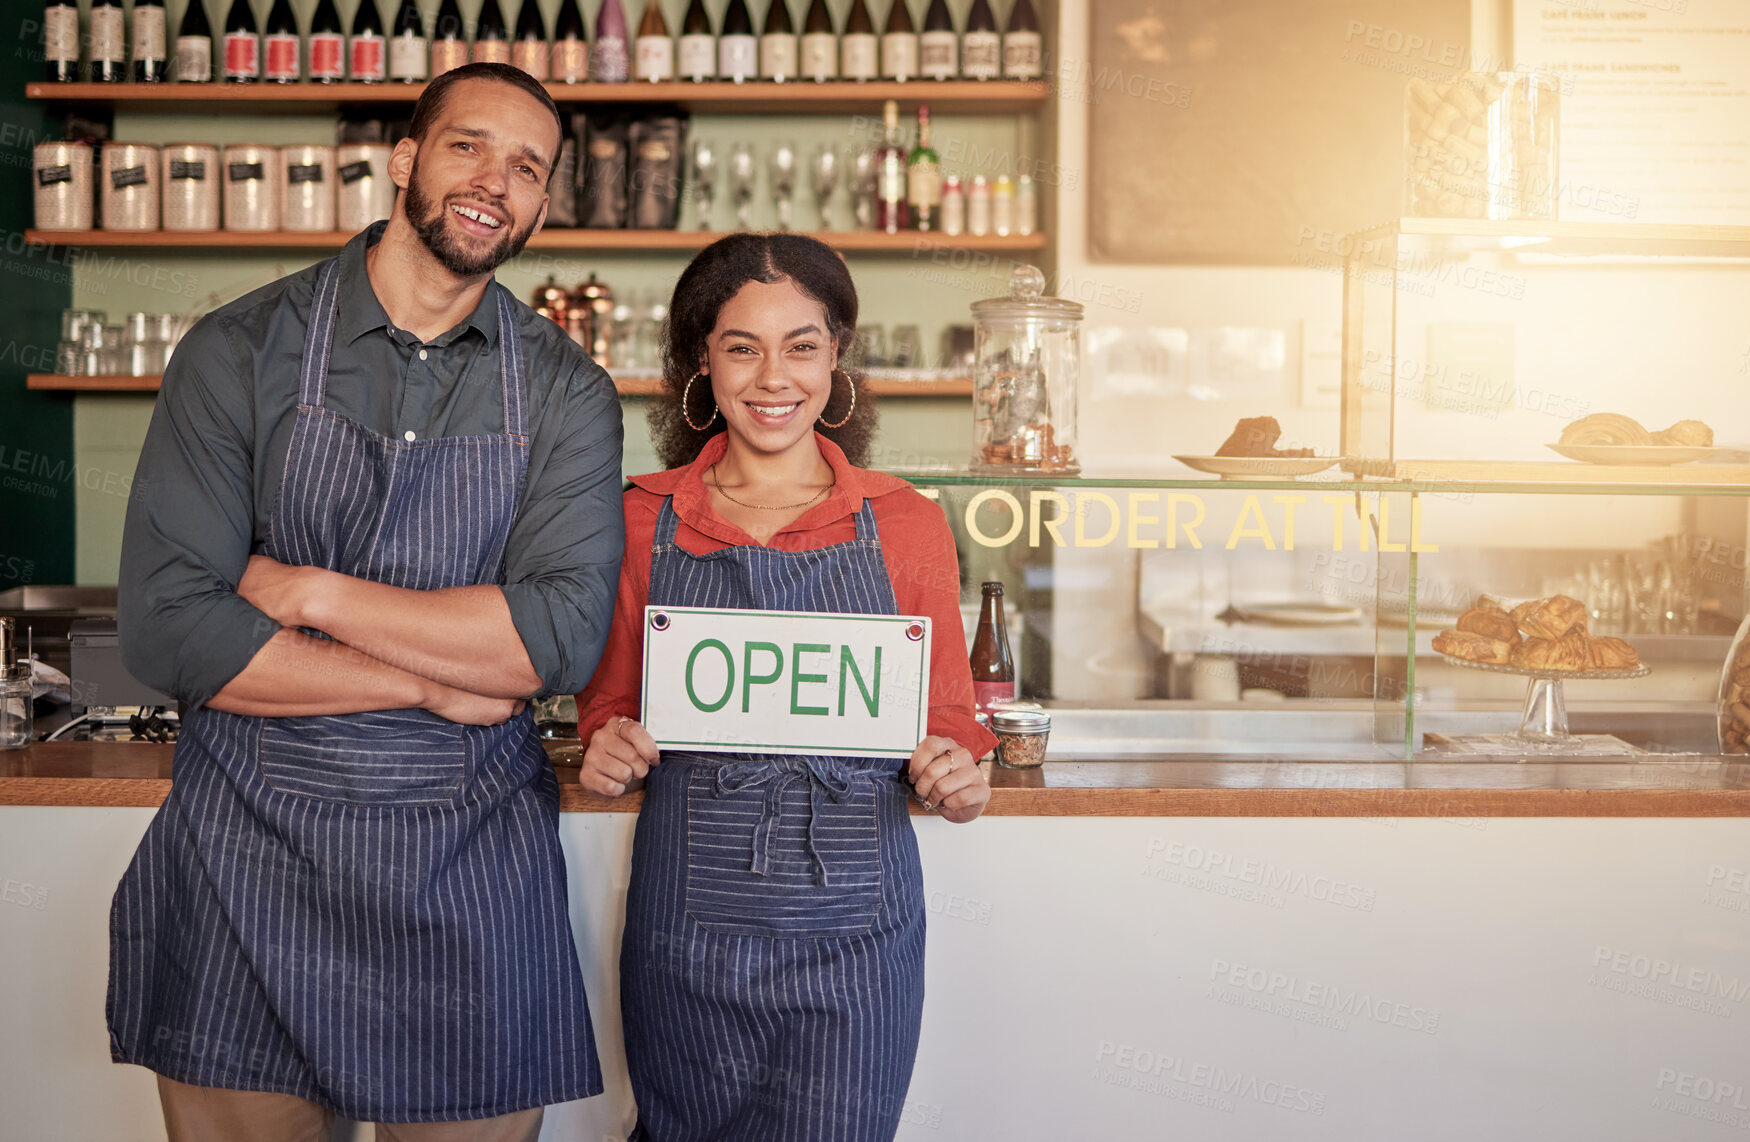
(590,320)
(552,301)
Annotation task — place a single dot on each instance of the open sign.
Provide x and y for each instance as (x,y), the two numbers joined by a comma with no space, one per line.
(785,681)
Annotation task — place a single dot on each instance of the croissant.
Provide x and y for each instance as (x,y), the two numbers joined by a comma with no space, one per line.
(1570,652)
(1686,434)
(1606,428)
(1475,647)
(1612,654)
(1490,622)
(1553,617)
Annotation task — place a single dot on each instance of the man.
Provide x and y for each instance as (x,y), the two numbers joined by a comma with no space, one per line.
(382,512)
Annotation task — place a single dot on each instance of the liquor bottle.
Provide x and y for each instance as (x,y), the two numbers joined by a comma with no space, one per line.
(939,46)
(148,41)
(923,176)
(194,45)
(899,44)
(281,45)
(778,44)
(530,52)
(993,663)
(654,48)
(1002,206)
(860,50)
(242,45)
(1023,48)
(328,43)
(820,47)
(449,41)
(981,48)
(953,207)
(738,52)
(491,35)
(61,41)
(408,50)
(366,53)
(978,206)
(610,60)
(890,173)
(1026,205)
(698,46)
(570,57)
(109,42)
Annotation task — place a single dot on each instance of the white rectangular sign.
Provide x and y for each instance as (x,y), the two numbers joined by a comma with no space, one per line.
(785,681)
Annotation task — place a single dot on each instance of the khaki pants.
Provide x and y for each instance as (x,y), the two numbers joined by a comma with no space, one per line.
(208,1114)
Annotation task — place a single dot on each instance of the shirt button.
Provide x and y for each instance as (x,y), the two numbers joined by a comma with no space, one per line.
(408,436)
(422,354)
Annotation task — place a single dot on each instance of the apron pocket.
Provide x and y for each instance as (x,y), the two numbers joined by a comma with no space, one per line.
(796,894)
(385,757)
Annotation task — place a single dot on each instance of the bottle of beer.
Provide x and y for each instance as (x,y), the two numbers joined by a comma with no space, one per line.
(1022,45)
(860,50)
(939,46)
(899,43)
(242,45)
(993,663)
(820,47)
(366,49)
(327,44)
(149,41)
(407,51)
(449,41)
(530,52)
(653,50)
(738,51)
(890,175)
(491,35)
(778,44)
(610,61)
(109,43)
(194,45)
(570,57)
(282,45)
(61,41)
(698,46)
(981,48)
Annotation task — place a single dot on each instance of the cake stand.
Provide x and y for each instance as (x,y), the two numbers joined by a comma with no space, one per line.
(1545,719)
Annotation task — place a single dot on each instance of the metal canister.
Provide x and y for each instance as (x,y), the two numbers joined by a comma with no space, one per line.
(307,188)
(590,320)
(64,199)
(128,186)
(191,186)
(363,190)
(252,187)
(552,301)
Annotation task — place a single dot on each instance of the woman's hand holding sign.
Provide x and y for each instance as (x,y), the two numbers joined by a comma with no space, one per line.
(947,780)
(619,751)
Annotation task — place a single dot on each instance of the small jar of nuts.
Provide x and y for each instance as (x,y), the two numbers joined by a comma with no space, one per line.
(1022,732)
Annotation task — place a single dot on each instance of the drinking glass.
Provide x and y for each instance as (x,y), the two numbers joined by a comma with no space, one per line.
(862,183)
(741,178)
(906,351)
(872,341)
(826,177)
(781,171)
(704,178)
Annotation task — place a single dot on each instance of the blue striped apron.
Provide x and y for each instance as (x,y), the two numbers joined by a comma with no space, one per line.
(367,911)
(772,968)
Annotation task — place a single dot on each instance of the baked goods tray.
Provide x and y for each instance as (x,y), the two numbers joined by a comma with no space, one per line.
(1640,671)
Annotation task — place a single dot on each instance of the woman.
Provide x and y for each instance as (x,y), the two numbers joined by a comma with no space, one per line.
(771,972)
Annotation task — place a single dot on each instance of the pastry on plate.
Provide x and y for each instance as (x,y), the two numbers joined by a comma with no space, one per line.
(1475,647)
(1607,428)
(1551,618)
(1257,436)
(1490,622)
(1685,434)
(1612,654)
(1570,652)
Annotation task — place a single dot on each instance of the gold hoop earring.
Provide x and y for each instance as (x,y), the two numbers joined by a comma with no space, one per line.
(846,419)
(686,392)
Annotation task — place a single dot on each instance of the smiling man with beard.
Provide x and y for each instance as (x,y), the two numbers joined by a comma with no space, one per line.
(376,512)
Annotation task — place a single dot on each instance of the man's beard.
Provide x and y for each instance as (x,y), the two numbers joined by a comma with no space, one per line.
(428,222)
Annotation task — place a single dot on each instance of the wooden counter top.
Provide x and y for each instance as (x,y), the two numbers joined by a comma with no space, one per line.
(1687,785)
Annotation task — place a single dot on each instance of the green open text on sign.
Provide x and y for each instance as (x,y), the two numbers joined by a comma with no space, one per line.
(785,681)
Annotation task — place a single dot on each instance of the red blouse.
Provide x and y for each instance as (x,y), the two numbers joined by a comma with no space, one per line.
(916,545)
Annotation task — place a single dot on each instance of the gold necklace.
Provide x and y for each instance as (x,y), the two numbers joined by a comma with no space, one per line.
(712,472)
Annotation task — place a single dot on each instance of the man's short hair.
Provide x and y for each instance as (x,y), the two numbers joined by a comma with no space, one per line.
(437,93)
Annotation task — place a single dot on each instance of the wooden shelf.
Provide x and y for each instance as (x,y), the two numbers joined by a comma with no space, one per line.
(726,98)
(628,387)
(906,242)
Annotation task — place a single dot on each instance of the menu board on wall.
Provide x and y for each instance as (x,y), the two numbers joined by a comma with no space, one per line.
(1251,132)
(1655,105)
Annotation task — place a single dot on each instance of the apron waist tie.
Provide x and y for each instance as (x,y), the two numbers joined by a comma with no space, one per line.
(826,778)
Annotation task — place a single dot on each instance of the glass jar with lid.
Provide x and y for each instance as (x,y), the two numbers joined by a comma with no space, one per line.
(1027,363)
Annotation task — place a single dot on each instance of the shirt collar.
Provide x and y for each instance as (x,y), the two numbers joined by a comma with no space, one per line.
(692,499)
(361,312)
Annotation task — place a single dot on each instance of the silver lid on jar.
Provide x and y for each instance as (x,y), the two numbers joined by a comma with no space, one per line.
(1020,720)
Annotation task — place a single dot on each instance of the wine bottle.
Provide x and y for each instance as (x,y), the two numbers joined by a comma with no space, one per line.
(408,50)
(109,42)
(1023,47)
(61,41)
(148,41)
(778,44)
(890,173)
(923,176)
(860,50)
(698,46)
(609,60)
(820,47)
(570,57)
(194,45)
(939,46)
(449,41)
(281,45)
(738,51)
(327,43)
(242,44)
(491,35)
(993,663)
(899,44)
(530,52)
(655,47)
(366,54)
(981,48)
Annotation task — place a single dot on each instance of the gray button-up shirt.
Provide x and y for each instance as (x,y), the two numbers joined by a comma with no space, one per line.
(208,474)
